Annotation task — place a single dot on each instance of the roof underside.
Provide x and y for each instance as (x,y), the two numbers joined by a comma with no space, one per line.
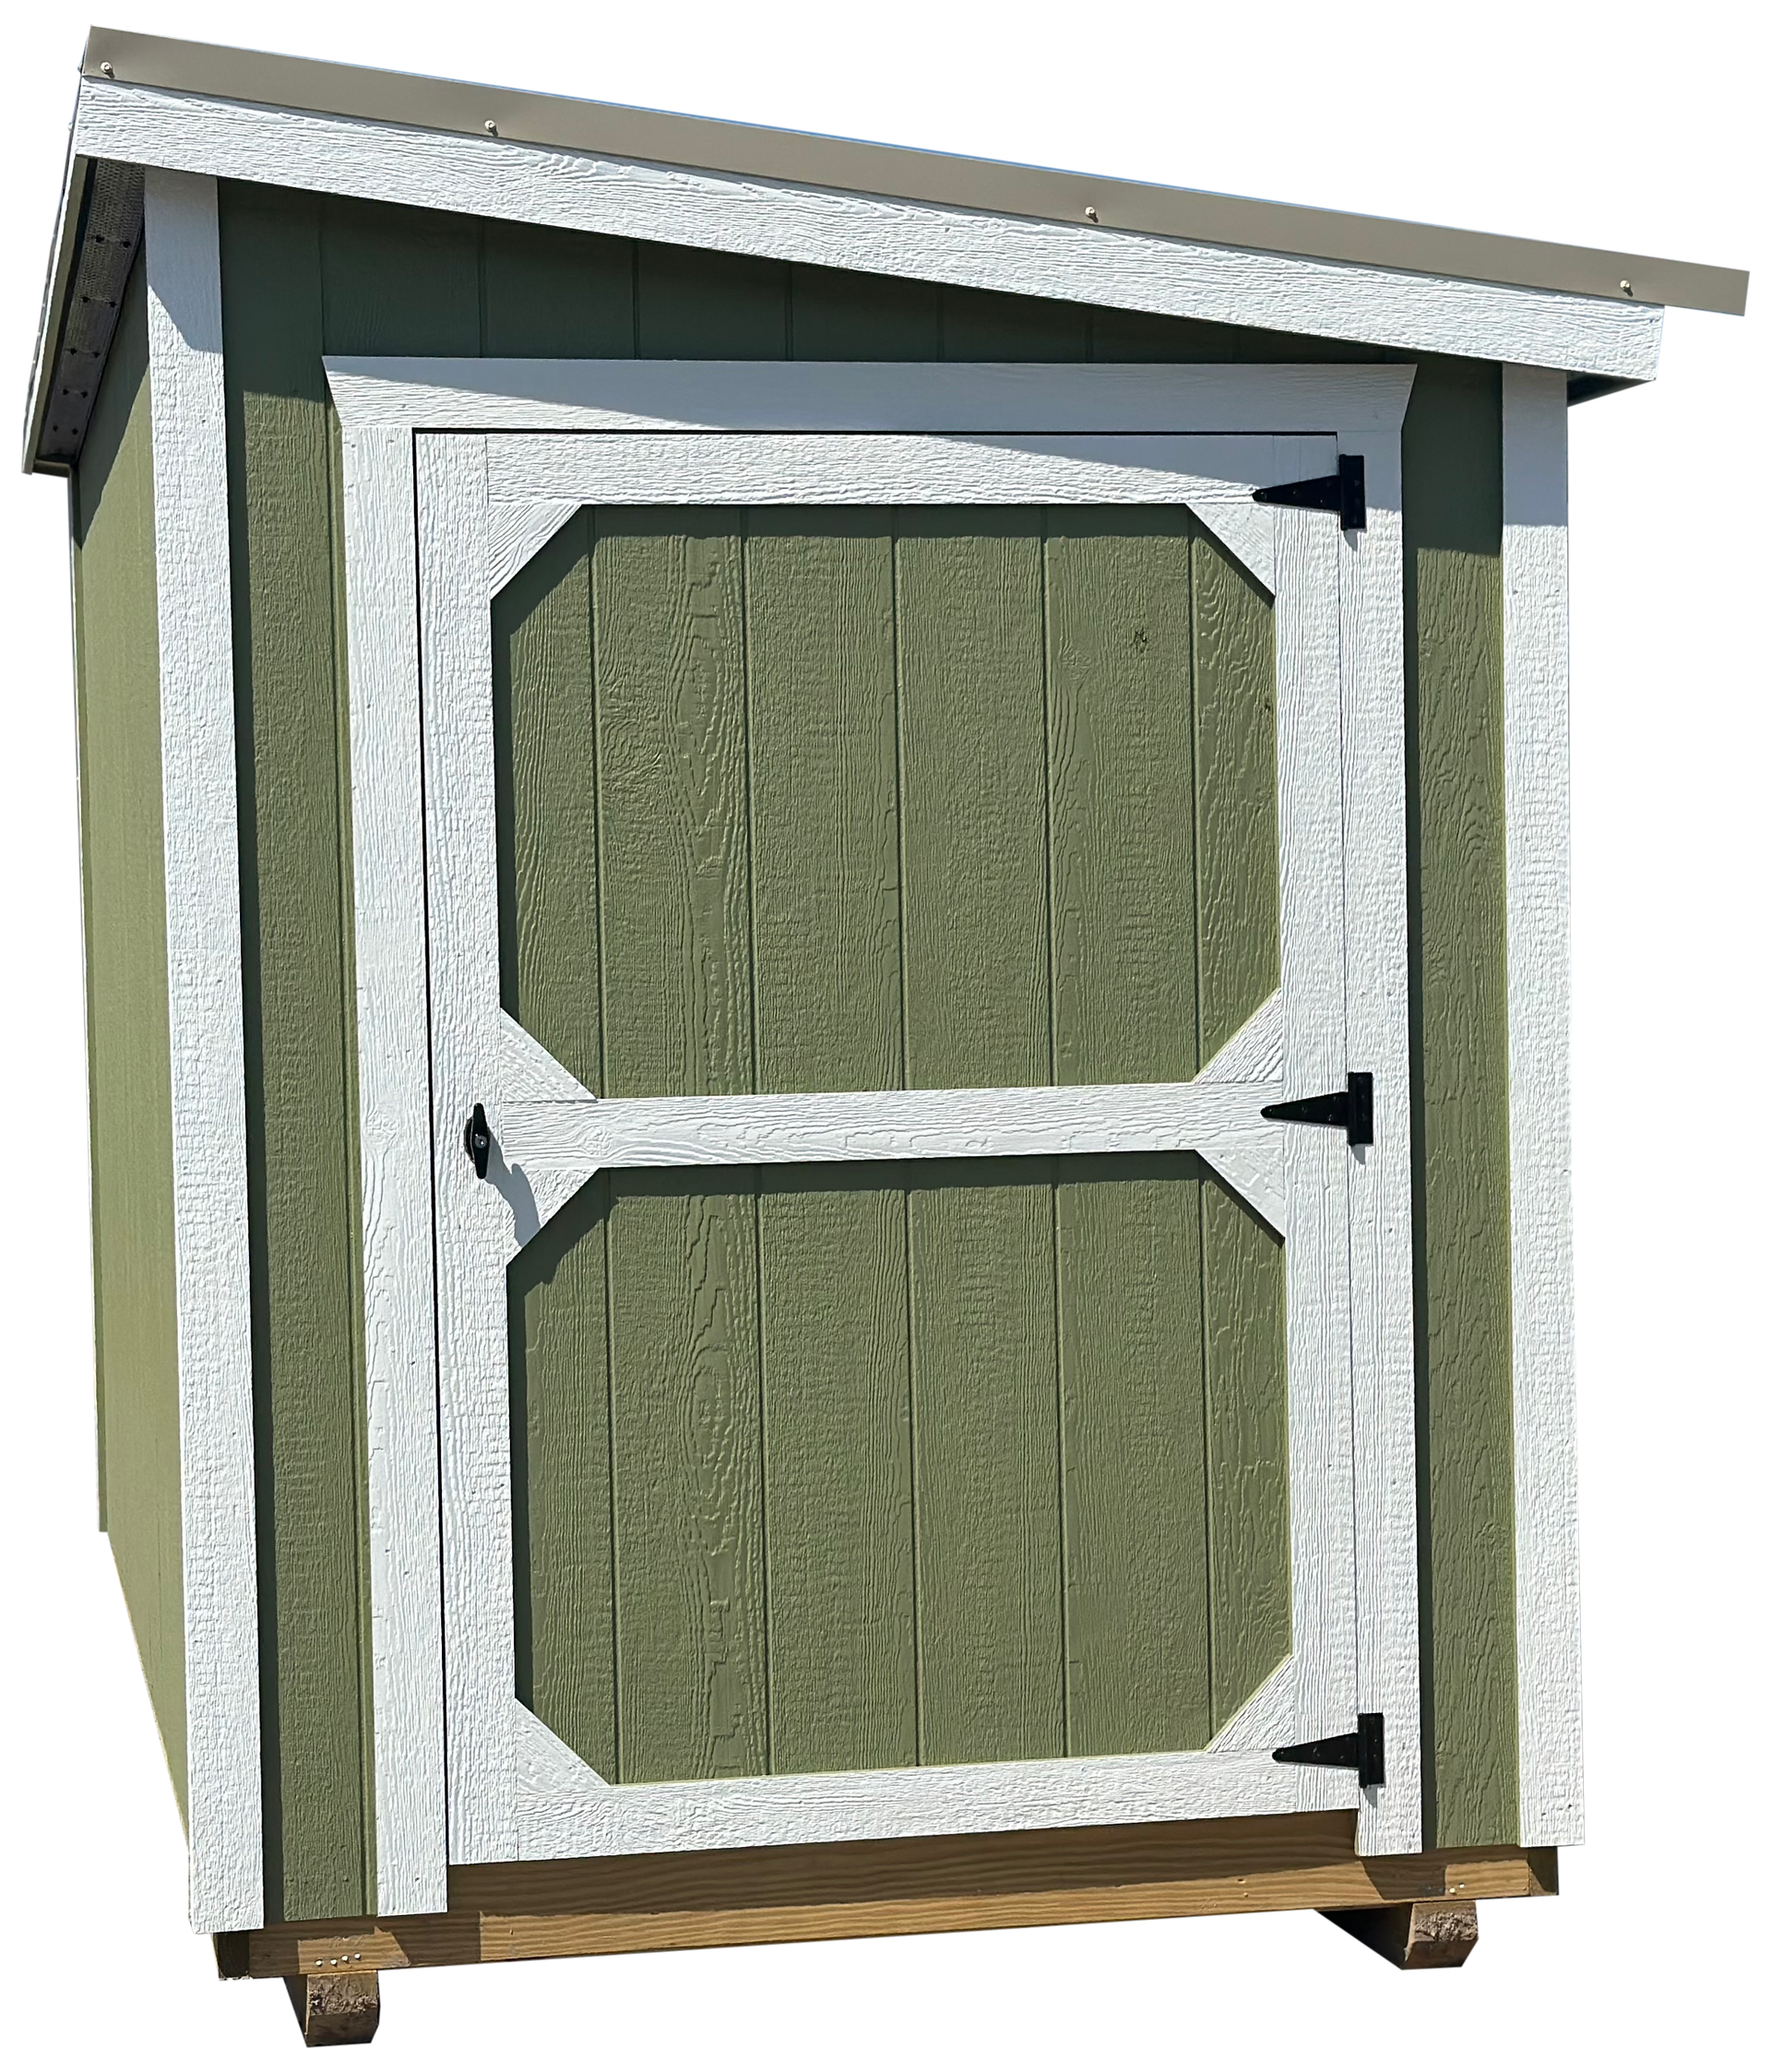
(102,216)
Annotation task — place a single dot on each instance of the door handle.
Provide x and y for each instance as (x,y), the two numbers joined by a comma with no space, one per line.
(478,1137)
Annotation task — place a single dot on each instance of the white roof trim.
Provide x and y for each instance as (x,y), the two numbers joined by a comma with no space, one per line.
(867,234)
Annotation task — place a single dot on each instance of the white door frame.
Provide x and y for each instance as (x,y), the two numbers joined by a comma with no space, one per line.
(518,1792)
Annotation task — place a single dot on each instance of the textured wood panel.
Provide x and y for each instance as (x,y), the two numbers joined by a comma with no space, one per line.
(820,650)
(298,986)
(1236,752)
(562,1530)
(122,885)
(543,688)
(1248,1468)
(1119,638)
(690,1613)
(1463,1346)
(668,599)
(989,1619)
(548,294)
(971,721)
(1137,1608)
(837,1450)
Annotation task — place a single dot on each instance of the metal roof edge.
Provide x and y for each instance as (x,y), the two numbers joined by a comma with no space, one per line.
(805,159)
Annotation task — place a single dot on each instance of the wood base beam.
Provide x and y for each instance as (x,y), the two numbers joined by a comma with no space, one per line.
(499,1913)
(336,2007)
(1428,1936)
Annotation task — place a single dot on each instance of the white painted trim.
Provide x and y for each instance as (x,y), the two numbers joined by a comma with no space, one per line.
(1380,1176)
(393,1041)
(1546,1541)
(380,488)
(206,1030)
(866,234)
(446,395)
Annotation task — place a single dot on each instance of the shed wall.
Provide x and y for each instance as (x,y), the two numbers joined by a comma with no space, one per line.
(128,1051)
(305,275)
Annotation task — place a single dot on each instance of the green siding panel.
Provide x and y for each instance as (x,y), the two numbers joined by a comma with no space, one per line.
(299,998)
(128,1051)
(1463,1339)
(305,274)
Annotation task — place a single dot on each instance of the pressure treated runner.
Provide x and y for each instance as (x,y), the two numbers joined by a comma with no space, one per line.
(502,1912)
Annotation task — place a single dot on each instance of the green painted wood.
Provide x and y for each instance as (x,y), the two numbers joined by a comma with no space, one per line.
(977,325)
(398,280)
(1119,641)
(128,1049)
(668,600)
(1132,335)
(1137,1597)
(820,650)
(972,726)
(862,316)
(1247,1465)
(709,305)
(691,1619)
(562,1528)
(842,1673)
(1463,1341)
(555,295)
(301,1160)
(989,1582)
(1236,750)
(545,759)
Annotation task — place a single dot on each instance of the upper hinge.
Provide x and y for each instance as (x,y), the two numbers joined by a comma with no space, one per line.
(1342,492)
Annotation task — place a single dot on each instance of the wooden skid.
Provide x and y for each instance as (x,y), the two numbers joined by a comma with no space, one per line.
(335,2007)
(1426,1936)
(501,1912)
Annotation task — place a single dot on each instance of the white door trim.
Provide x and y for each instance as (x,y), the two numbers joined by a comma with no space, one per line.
(1362,405)
(211,1263)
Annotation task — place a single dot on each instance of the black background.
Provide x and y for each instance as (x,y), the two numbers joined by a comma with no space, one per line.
(1519,133)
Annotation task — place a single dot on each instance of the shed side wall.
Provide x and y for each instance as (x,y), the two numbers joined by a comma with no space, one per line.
(128,1052)
(306,274)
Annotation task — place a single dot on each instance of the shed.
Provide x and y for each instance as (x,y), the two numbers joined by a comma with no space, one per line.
(826,942)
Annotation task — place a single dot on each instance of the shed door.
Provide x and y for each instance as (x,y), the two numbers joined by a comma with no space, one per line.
(893,1379)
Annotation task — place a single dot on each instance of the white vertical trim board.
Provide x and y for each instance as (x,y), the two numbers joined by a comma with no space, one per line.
(1535,571)
(211,1266)
(393,1129)
(438,1483)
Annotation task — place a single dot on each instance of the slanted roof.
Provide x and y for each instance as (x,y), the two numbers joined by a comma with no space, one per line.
(148,100)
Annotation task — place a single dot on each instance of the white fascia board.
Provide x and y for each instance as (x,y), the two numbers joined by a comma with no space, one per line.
(866,234)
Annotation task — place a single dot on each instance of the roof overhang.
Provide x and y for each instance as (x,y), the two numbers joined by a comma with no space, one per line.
(151,101)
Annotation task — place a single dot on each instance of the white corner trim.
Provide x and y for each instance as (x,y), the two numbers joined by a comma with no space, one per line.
(1535,571)
(212,1264)
(865,233)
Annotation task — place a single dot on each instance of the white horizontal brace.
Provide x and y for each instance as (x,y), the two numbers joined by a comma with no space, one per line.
(446,395)
(894,468)
(865,233)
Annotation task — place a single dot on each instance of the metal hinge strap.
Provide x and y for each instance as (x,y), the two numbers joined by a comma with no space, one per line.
(1362,1750)
(1342,492)
(1350,1111)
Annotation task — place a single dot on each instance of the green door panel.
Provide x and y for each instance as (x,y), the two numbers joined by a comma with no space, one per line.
(851,1468)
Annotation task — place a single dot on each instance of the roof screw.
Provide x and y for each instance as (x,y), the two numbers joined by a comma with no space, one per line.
(1626,288)
(109,70)
(1092,213)
(491,129)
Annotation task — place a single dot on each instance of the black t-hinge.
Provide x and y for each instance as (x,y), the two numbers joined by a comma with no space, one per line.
(1363,1751)
(1350,1111)
(1342,492)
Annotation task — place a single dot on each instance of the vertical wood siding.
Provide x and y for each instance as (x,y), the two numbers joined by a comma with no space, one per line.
(935,1463)
(128,1053)
(305,274)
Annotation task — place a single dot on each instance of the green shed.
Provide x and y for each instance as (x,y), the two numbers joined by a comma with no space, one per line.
(828,994)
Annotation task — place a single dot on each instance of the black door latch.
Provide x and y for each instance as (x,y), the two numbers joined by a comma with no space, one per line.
(1363,1751)
(1342,492)
(478,1137)
(1350,1111)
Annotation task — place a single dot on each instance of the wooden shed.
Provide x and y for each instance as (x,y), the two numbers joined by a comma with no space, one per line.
(827,988)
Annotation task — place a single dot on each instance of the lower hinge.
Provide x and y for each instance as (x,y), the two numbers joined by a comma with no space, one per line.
(1350,1111)
(1363,1750)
